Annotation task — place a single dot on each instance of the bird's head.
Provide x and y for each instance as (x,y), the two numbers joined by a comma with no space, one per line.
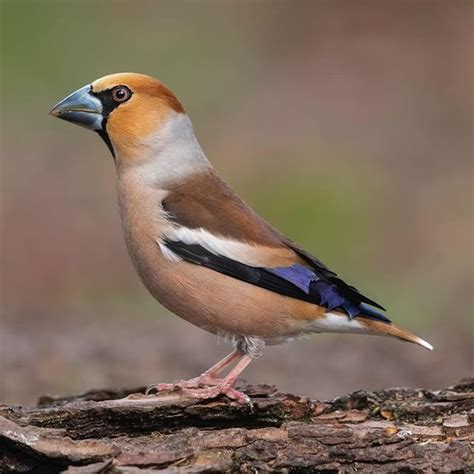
(125,109)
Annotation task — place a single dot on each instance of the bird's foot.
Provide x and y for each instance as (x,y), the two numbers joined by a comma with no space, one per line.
(196,383)
(215,391)
(201,388)
(208,385)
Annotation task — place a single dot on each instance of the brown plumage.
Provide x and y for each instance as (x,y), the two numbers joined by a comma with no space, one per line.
(221,212)
(141,84)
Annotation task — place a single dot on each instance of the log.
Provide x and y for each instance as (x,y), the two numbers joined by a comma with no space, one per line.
(125,431)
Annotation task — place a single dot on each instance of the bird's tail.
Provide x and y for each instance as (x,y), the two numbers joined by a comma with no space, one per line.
(384,329)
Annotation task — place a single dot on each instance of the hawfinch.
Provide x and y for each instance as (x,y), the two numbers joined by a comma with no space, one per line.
(198,248)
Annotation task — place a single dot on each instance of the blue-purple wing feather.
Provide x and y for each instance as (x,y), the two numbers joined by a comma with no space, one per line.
(299,275)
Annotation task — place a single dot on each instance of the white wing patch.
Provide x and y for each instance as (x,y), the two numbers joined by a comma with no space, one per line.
(167,253)
(243,252)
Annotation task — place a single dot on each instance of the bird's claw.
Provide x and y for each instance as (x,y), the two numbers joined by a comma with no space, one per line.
(200,389)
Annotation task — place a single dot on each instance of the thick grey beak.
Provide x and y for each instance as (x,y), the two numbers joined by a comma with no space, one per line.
(80,107)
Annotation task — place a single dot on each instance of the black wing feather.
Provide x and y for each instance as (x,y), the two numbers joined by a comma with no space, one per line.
(321,270)
(353,301)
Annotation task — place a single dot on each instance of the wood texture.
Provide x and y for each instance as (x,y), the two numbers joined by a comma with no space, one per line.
(392,430)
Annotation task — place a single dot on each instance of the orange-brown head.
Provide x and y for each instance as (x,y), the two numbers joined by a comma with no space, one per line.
(125,109)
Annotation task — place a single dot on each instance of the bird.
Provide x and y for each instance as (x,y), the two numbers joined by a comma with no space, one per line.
(199,249)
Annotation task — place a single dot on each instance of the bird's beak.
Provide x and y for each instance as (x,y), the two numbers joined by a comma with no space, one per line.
(80,107)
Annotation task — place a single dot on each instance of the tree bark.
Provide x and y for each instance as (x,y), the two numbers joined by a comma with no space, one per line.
(115,431)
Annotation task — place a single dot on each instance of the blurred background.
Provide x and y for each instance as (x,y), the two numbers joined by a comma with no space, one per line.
(348,125)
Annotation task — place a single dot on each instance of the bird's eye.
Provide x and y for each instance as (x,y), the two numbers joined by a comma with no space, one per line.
(121,94)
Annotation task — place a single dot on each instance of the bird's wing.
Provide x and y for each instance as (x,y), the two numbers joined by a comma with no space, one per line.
(212,227)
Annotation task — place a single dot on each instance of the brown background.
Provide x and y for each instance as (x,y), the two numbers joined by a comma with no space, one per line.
(346,124)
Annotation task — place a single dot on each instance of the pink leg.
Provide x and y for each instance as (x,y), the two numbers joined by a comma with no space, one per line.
(216,369)
(225,386)
(209,377)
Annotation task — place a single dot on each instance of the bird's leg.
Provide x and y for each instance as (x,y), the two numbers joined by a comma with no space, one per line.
(209,377)
(225,386)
